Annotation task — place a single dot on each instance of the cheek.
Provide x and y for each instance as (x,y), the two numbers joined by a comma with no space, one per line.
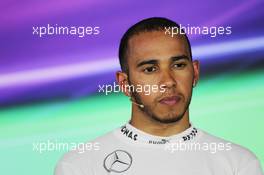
(148,90)
(184,83)
(150,86)
(148,99)
(147,79)
(148,93)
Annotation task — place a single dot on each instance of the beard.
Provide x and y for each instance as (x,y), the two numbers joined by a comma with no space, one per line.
(172,117)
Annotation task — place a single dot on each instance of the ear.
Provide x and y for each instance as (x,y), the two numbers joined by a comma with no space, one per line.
(122,80)
(196,72)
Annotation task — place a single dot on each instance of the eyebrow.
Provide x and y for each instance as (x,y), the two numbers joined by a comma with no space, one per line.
(154,61)
(147,62)
(176,58)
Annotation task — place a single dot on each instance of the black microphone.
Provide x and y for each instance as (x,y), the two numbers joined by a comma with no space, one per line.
(140,105)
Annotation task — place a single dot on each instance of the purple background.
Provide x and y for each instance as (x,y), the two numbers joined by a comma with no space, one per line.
(22,53)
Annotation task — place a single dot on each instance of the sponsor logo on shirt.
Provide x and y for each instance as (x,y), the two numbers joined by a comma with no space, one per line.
(191,135)
(129,133)
(162,141)
(117,161)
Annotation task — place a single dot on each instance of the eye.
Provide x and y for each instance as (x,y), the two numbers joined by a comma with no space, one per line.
(150,69)
(179,65)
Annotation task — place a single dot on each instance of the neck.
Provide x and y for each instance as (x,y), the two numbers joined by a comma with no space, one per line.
(145,123)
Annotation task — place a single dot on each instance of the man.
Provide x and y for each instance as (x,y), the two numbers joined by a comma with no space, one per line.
(159,138)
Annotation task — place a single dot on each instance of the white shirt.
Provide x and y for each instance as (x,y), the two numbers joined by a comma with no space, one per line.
(129,151)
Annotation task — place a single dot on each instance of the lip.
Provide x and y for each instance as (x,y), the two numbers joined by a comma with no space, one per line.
(170,100)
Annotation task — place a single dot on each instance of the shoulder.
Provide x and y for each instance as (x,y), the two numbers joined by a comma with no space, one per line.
(239,157)
(230,147)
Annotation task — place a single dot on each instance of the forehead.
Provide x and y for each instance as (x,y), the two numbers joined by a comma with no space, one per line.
(156,44)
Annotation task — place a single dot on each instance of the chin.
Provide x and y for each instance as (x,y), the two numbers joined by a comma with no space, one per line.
(168,118)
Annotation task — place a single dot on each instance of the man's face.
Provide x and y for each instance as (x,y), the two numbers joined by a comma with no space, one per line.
(156,59)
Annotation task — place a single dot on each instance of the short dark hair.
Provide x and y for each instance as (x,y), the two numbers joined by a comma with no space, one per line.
(146,25)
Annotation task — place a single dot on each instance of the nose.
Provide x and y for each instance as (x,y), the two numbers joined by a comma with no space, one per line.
(168,79)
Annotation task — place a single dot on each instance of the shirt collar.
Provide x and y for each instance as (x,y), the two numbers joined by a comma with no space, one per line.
(132,134)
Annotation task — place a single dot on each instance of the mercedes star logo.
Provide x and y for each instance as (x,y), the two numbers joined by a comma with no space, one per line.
(118,161)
